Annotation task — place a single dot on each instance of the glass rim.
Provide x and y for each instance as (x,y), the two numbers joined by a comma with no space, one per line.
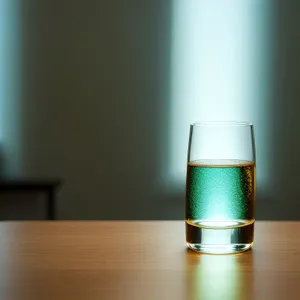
(222,123)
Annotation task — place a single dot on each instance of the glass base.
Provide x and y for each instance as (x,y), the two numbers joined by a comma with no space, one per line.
(221,249)
(208,237)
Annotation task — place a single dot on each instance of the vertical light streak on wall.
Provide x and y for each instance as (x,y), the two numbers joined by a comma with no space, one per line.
(10,83)
(220,71)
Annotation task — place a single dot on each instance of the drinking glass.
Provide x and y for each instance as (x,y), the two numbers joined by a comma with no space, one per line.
(220,187)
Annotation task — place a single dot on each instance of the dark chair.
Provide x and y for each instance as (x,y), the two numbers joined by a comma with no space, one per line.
(47,186)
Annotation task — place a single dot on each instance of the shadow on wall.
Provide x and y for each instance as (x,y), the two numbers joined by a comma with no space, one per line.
(96,106)
(282,201)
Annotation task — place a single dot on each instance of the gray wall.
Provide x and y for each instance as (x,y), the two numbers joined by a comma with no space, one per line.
(95,109)
(95,105)
(281,200)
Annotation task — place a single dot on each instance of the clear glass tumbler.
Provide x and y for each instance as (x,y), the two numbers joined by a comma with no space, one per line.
(220,187)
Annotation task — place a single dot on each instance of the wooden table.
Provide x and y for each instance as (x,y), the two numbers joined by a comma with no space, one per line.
(142,260)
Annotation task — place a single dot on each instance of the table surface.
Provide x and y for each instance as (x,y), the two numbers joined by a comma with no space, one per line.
(142,260)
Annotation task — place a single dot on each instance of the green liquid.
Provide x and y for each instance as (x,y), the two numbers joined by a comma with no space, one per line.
(220,192)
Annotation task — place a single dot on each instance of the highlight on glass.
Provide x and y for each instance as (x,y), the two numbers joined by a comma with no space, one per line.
(220,187)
